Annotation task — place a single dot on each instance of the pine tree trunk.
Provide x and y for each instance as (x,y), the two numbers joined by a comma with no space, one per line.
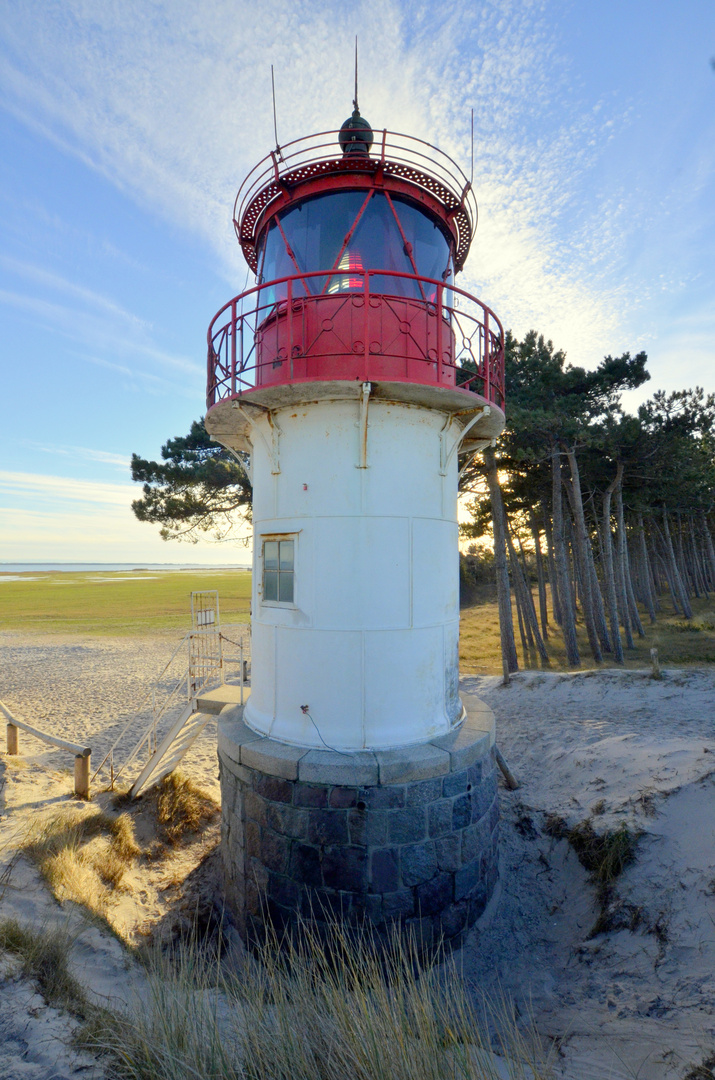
(551,563)
(634,614)
(669,580)
(698,557)
(523,593)
(646,576)
(599,611)
(709,547)
(677,579)
(568,620)
(622,596)
(522,631)
(685,562)
(541,580)
(510,660)
(582,541)
(654,562)
(609,573)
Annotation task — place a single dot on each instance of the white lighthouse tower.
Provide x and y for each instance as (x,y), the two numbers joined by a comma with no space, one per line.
(355,373)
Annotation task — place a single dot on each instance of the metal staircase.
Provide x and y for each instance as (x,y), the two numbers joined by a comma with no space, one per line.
(202,672)
(178,740)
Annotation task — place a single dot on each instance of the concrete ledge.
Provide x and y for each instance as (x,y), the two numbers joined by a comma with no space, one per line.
(456,750)
(273,758)
(233,734)
(421,762)
(350,769)
(473,738)
(214,701)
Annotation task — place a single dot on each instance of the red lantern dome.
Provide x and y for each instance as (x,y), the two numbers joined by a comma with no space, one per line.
(355,238)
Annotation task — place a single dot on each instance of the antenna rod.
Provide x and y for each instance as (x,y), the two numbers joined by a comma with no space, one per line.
(355,99)
(471,174)
(275,121)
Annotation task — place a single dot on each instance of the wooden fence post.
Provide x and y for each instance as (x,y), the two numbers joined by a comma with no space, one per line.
(12,739)
(81,776)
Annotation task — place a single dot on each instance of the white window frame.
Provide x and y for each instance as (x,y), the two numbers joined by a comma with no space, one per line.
(279,537)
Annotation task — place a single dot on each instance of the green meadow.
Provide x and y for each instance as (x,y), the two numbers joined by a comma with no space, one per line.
(145,602)
(125,603)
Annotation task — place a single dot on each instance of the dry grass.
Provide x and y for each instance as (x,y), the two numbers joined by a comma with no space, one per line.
(704,1071)
(605,855)
(181,808)
(44,955)
(678,642)
(83,856)
(335,1009)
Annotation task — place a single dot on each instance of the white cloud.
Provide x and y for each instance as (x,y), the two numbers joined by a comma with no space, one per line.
(37,485)
(172,104)
(77,519)
(104,457)
(95,330)
(176,111)
(87,296)
(78,534)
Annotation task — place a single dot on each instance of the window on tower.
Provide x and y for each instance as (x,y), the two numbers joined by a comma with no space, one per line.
(279,571)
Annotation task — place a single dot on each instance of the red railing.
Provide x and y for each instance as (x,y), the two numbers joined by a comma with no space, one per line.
(371,326)
(403,157)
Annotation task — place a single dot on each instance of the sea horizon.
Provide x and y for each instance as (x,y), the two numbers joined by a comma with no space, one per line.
(111,567)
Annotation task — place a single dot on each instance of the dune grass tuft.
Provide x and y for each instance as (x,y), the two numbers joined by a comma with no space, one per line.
(329,1008)
(44,955)
(83,856)
(605,855)
(180,807)
(705,1071)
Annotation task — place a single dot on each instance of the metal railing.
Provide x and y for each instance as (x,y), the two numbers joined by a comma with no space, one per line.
(403,156)
(180,682)
(372,324)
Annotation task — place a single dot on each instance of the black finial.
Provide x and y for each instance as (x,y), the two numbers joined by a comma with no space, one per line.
(356,135)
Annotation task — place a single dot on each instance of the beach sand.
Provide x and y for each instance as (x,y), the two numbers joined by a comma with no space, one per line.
(613,747)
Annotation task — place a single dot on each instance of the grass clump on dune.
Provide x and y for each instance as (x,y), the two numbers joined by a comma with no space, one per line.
(605,855)
(83,856)
(335,1008)
(44,955)
(180,807)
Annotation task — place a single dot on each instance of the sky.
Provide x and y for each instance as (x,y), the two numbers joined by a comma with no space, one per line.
(127,126)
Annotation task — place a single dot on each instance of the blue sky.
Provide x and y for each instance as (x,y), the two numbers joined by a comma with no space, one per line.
(127,127)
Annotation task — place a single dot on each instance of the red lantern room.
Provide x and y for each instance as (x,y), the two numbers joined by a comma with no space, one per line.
(355,238)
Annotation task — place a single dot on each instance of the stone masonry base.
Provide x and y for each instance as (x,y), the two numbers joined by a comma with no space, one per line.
(406,835)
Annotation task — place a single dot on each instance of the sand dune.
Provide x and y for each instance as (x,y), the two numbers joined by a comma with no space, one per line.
(635,1001)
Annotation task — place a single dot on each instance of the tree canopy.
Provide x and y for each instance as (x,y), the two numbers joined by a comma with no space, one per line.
(198,489)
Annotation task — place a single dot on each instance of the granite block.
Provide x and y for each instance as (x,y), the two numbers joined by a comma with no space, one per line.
(419,863)
(330,767)
(407,826)
(404,766)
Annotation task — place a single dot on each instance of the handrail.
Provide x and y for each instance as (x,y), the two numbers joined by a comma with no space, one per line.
(132,719)
(405,156)
(82,753)
(168,701)
(465,327)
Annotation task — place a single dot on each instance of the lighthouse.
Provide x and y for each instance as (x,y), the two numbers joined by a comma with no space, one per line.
(358,377)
